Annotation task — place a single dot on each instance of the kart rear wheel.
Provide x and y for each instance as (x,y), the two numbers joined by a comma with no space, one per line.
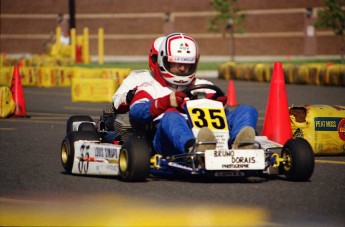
(67,147)
(76,118)
(134,160)
(300,161)
(87,126)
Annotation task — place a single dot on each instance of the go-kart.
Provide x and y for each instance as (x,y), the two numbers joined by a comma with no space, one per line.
(114,146)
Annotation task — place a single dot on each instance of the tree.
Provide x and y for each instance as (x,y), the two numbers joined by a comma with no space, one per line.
(333,16)
(228,19)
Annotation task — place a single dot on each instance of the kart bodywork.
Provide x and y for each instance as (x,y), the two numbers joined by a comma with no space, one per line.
(114,147)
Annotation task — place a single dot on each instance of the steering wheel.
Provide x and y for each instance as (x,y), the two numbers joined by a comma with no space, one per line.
(188,91)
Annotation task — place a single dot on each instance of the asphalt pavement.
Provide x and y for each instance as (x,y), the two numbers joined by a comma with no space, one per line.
(35,190)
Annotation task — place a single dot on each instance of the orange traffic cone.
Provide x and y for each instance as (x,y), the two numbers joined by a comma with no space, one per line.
(18,94)
(21,63)
(231,94)
(277,125)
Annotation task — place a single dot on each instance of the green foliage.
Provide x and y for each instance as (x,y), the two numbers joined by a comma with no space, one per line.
(333,16)
(227,18)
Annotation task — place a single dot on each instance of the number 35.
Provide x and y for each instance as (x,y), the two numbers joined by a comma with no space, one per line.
(212,118)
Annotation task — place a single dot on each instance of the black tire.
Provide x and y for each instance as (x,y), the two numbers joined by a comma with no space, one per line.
(87,126)
(67,147)
(134,162)
(74,119)
(300,160)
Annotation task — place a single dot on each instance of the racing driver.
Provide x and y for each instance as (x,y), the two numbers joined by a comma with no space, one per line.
(125,92)
(159,100)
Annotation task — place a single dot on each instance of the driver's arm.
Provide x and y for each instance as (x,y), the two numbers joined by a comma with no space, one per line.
(121,98)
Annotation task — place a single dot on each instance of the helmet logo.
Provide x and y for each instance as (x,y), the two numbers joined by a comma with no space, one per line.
(180,81)
(177,59)
(183,47)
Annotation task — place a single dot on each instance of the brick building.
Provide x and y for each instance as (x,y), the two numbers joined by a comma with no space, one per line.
(272,27)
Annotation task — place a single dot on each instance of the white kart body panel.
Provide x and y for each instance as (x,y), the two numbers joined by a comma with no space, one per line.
(266,143)
(210,111)
(269,144)
(93,158)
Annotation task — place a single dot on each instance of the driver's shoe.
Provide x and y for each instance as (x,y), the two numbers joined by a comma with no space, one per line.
(206,135)
(246,135)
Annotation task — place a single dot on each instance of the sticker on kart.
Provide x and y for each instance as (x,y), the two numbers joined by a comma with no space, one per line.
(95,158)
(210,114)
(235,159)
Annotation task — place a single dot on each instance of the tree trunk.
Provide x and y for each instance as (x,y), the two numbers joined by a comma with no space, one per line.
(342,49)
(232,45)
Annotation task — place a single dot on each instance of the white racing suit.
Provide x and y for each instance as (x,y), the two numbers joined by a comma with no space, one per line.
(173,131)
(132,81)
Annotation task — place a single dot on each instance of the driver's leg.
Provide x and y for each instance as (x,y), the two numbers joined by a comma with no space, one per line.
(173,135)
(239,118)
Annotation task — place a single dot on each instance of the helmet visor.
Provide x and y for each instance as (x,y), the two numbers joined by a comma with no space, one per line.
(179,68)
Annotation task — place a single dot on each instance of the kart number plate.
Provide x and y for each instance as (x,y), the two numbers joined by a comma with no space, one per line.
(246,159)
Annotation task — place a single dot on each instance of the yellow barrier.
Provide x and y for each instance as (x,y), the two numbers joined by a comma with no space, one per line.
(6,74)
(79,72)
(73,44)
(314,74)
(64,76)
(116,74)
(2,59)
(28,76)
(290,72)
(85,51)
(100,46)
(342,74)
(58,76)
(7,105)
(336,75)
(226,70)
(92,89)
(54,76)
(46,77)
(323,126)
(262,72)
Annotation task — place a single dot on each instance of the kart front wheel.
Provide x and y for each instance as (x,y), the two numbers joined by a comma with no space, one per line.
(67,147)
(134,162)
(299,160)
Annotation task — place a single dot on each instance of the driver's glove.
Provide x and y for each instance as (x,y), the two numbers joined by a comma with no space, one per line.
(130,95)
(174,99)
(223,99)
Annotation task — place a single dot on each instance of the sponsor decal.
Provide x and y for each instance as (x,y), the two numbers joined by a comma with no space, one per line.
(106,152)
(229,174)
(327,123)
(184,46)
(298,133)
(93,153)
(85,154)
(341,129)
(178,59)
(236,166)
(180,81)
(234,159)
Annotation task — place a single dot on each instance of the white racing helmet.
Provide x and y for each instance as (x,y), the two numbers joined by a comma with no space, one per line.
(153,54)
(178,48)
